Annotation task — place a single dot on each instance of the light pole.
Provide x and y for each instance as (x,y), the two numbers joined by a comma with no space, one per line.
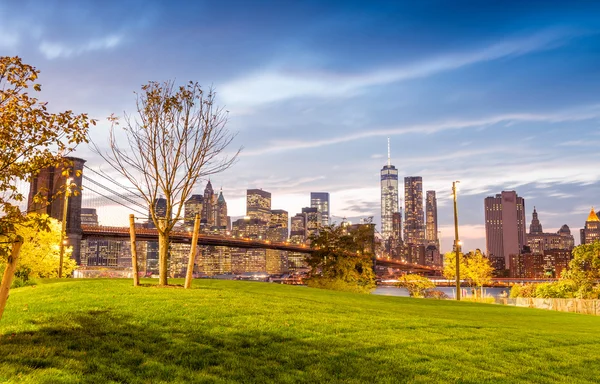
(456,241)
(63,232)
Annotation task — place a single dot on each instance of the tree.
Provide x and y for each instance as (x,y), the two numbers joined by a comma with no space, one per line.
(584,268)
(39,256)
(415,284)
(342,258)
(478,269)
(31,138)
(177,137)
(475,268)
(449,270)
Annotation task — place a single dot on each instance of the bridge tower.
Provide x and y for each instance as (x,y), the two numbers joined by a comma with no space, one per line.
(50,182)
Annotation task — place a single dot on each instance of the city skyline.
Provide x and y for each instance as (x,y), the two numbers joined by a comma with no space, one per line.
(314,89)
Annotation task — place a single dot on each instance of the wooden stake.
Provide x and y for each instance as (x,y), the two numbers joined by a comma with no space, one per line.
(9,274)
(134,260)
(192,261)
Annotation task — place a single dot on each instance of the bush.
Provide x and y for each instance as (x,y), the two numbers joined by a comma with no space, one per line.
(337,285)
(562,289)
(19,282)
(527,290)
(415,284)
(430,294)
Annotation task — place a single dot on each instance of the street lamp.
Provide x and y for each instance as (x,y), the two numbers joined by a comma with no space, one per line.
(63,232)
(457,242)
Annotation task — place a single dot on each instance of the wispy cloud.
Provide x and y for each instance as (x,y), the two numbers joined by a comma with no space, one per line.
(579,114)
(275,84)
(53,50)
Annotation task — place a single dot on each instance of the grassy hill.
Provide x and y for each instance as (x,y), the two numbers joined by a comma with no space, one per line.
(100,331)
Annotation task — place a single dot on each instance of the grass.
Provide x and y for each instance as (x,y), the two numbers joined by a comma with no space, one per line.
(101,331)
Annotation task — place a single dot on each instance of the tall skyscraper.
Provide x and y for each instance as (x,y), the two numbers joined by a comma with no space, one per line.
(192,207)
(504,227)
(414,225)
(221,218)
(320,200)
(431,219)
(313,221)
(389,197)
(208,210)
(258,204)
(535,227)
(591,231)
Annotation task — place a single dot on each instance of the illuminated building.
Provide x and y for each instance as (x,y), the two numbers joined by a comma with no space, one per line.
(297,236)
(89,216)
(220,214)
(591,231)
(313,221)
(389,197)
(538,241)
(277,261)
(414,226)
(208,207)
(192,207)
(320,200)
(431,229)
(504,227)
(258,204)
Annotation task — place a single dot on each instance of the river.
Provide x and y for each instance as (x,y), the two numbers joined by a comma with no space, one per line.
(395,291)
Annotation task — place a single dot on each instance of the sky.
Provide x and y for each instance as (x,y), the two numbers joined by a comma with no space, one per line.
(501,95)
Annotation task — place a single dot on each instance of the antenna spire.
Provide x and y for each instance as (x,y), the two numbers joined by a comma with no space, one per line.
(389,156)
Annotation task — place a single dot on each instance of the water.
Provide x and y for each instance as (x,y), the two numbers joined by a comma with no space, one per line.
(395,291)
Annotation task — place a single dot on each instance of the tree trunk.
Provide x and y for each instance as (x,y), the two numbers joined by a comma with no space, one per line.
(134,261)
(9,274)
(163,257)
(193,249)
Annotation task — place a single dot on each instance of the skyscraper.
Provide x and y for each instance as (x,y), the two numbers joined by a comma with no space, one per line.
(192,207)
(591,231)
(258,204)
(431,219)
(414,226)
(389,197)
(221,218)
(208,210)
(320,200)
(504,227)
(313,221)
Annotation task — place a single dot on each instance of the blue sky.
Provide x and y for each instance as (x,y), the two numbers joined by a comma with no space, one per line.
(498,94)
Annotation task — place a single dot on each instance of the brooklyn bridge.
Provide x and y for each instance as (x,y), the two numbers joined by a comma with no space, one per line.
(99,190)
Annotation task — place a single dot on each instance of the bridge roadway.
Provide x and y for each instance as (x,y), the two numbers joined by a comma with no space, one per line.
(151,234)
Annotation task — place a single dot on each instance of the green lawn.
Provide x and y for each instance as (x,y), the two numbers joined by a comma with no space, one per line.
(100,331)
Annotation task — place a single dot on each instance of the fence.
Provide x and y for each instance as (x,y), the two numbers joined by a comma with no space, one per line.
(589,307)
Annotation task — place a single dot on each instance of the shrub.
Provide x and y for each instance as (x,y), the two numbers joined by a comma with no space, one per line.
(432,294)
(337,285)
(562,289)
(474,299)
(19,282)
(415,284)
(527,290)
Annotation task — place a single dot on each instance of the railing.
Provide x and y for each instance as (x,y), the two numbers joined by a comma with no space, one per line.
(589,307)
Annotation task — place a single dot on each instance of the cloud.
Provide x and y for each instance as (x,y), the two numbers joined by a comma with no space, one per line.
(274,84)
(8,39)
(579,114)
(53,50)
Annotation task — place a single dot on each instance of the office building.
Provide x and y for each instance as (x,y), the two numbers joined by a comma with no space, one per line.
(89,216)
(389,198)
(591,231)
(539,242)
(208,207)
(504,227)
(192,207)
(313,221)
(320,200)
(414,223)
(258,204)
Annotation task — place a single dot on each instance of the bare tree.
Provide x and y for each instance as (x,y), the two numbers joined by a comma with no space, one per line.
(177,137)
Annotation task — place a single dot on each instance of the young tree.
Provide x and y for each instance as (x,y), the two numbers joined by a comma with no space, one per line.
(415,284)
(584,268)
(342,258)
(31,138)
(478,269)
(177,137)
(449,270)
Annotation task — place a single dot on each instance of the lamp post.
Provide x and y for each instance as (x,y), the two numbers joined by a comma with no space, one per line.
(63,232)
(456,241)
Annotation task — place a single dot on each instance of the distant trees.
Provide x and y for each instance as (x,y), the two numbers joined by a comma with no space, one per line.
(475,268)
(176,137)
(31,138)
(342,259)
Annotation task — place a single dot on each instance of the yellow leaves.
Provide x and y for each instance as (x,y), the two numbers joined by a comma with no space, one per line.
(37,87)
